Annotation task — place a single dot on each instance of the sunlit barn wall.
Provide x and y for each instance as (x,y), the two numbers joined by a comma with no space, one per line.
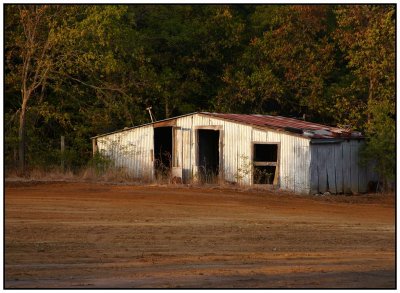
(237,152)
(304,167)
(131,150)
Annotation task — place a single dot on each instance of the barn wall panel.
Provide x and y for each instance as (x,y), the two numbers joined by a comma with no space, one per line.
(130,150)
(338,155)
(295,159)
(346,167)
(354,166)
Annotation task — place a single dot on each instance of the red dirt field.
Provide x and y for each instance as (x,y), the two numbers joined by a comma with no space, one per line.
(87,235)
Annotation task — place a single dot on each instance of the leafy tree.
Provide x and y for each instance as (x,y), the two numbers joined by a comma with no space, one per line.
(188,45)
(31,43)
(50,46)
(286,65)
(82,70)
(381,145)
(366,33)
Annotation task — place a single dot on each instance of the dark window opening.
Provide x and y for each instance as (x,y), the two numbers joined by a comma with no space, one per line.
(264,174)
(162,151)
(265,152)
(208,157)
(265,162)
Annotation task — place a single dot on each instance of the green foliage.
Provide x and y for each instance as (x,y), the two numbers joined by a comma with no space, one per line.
(381,143)
(100,163)
(106,63)
(286,66)
(366,35)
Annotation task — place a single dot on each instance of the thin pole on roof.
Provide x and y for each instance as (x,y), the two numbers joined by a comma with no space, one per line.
(151,114)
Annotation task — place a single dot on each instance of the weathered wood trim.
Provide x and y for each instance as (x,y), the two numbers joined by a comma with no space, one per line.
(209,127)
(221,171)
(94,146)
(277,163)
(264,164)
(167,123)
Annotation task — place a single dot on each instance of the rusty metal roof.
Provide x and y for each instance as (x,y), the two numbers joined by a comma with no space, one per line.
(290,125)
(299,127)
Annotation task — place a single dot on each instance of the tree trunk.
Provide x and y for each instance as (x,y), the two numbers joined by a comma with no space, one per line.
(21,136)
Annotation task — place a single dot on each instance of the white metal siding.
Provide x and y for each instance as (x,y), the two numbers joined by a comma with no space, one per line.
(303,168)
(131,150)
(236,148)
(294,159)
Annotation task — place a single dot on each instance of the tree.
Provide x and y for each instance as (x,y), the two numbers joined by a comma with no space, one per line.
(188,46)
(33,41)
(48,46)
(366,34)
(286,65)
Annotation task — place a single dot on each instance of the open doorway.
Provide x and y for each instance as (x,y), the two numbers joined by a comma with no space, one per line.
(162,151)
(208,155)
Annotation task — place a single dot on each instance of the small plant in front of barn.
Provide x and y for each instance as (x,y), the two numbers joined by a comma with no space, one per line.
(100,163)
(244,168)
(163,167)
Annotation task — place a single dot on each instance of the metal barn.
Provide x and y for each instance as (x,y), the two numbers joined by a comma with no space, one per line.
(286,153)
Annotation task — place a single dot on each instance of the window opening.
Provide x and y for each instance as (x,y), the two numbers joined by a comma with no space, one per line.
(265,161)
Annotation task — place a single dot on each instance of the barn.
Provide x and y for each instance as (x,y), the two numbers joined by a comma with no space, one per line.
(249,150)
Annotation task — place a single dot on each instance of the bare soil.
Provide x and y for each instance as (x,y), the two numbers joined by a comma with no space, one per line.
(84,235)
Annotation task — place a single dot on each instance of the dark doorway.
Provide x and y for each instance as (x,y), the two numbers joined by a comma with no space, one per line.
(208,157)
(162,151)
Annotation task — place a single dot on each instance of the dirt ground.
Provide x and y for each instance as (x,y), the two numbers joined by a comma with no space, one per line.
(84,235)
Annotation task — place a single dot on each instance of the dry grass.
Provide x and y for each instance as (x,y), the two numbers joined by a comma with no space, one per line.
(41,174)
(119,175)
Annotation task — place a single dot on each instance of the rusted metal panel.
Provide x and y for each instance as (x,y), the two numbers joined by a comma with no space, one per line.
(290,125)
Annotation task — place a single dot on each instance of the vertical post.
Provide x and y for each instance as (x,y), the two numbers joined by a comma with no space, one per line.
(62,151)
(15,158)
(94,146)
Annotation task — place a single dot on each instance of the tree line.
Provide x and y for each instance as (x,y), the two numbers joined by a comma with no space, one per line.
(83,70)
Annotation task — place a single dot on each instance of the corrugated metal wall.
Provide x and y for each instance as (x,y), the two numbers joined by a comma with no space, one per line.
(295,159)
(303,168)
(131,150)
(335,168)
(237,152)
